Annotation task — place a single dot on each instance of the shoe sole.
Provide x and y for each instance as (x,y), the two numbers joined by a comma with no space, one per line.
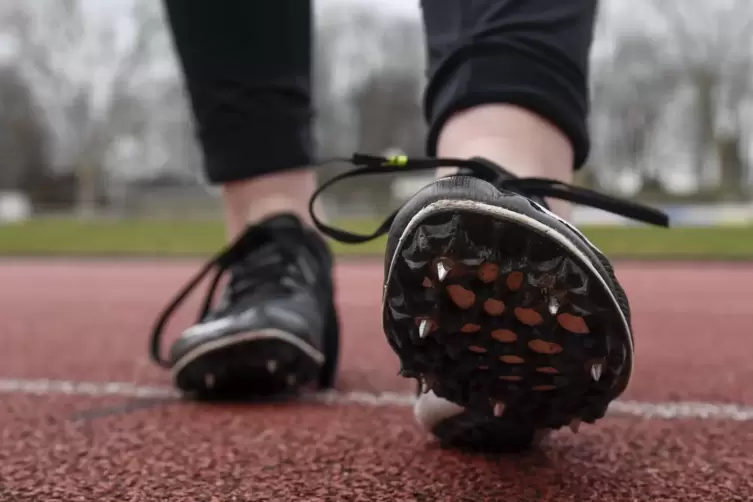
(494,343)
(255,364)
(459,428)
(473,432)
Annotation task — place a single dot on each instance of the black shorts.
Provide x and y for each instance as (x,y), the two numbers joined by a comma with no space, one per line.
(248,72)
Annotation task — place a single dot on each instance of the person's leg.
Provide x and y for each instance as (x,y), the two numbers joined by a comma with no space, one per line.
(509,83)
(247,68)
(513,136)
(511,319)
(529,312)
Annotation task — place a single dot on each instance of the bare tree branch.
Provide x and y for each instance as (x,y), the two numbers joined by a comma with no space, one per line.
(80,69)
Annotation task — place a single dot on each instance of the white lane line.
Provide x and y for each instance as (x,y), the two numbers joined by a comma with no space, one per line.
(668,410)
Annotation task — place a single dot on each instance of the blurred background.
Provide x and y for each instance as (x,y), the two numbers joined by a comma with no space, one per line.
(94,123)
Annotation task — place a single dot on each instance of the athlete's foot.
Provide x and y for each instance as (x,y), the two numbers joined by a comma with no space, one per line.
(275,330)
(511,320)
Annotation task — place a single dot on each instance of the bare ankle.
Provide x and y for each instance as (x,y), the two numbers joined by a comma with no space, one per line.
(251,201)
(522,142)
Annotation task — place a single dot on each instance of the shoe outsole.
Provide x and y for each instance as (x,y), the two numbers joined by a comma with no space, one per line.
(459,428)
(472,432)
(250,365)
(501,314)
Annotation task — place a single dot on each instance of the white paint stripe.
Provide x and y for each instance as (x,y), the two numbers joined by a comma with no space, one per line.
(667,410)
(683,410)
(94,389)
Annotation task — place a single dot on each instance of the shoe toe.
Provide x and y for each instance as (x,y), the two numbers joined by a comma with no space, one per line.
(431,410)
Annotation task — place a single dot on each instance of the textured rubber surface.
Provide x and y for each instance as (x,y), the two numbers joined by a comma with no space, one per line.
(518,322)
(253,369)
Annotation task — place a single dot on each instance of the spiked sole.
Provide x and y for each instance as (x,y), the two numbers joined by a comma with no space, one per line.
(257,364)
(457,427)
(498,310)
(472,431)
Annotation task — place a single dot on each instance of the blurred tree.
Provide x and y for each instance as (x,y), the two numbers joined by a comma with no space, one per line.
(713,43)
(368,83)
(389,114)
(23,138)
(81,68)
(630,90)
(331,98)
(388,117)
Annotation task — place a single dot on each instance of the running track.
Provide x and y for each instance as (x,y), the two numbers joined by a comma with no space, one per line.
(86,417)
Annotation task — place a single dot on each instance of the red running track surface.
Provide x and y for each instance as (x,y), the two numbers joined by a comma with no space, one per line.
(85,415)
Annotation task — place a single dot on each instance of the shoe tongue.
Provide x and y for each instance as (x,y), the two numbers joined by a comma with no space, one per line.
(251,241)
(494,173)
(282,220)
(265,252)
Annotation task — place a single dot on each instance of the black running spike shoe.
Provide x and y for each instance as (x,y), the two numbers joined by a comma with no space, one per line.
(510,318)
(274,332)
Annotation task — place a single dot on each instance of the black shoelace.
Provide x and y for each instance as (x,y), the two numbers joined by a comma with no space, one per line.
(367,164)
(249,276)
(530,187)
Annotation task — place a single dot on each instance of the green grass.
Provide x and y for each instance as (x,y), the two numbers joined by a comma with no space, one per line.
(71,237)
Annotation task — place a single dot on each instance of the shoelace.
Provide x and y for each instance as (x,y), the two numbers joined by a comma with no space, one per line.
(530,187)
(249,279)
(368,164)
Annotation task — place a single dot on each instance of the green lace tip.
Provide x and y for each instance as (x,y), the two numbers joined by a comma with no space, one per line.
(397,160)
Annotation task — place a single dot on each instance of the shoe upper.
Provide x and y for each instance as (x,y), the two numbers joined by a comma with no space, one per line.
(280,277)
(281,281)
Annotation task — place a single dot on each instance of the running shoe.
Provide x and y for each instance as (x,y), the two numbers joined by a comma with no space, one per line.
(511,320)
(275,330)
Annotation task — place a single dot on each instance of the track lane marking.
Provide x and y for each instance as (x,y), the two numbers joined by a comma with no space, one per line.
(663,410)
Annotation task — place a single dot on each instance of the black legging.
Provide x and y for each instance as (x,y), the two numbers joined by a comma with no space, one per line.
(248,72)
